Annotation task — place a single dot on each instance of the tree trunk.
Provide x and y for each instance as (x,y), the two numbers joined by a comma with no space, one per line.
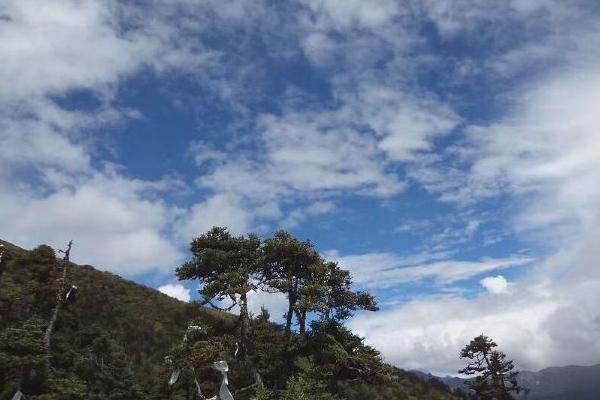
(244,325)
(55,311)
(301,317)
(292,300)
(59,299)
(303,322)
(290,313)
(1,265)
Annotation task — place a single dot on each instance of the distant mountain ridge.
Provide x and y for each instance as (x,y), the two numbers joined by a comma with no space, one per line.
(554,383)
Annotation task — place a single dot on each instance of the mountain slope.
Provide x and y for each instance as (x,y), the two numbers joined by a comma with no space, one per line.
(112,336)
(562,383)
(139,322)
(554,383)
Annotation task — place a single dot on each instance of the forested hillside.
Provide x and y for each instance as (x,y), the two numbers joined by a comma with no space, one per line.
(112,336)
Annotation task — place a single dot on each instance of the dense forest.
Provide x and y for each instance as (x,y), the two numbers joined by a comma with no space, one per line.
(115,339)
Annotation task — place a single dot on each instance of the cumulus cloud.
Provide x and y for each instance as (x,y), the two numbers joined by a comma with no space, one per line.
(218,210)
(535,322)
(51,189)
(176,291)
(111,222)
(275,303)
(495,284)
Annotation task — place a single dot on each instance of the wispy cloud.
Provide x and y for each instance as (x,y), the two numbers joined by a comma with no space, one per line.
(385,270)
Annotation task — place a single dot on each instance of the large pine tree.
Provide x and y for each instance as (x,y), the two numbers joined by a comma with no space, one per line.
(227,267)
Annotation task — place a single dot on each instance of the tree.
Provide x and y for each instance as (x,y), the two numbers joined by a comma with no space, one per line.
(60,298)
(228,267)
(341,356)
(495,376)
(293,267)
(301,387)
(339,301)
(191,360)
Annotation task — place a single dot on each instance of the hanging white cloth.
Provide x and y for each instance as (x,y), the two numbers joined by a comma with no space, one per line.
(174,377)
(71,290)
(222,367)
(18,395)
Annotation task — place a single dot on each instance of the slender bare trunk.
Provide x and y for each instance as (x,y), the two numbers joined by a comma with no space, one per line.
(1,254)
(56,310)
(59,299)
(244,326)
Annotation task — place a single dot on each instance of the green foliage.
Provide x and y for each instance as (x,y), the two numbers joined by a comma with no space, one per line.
(294,267)
(301,387)
(135,325)
(110,342)
(226,267)
(265,394)
(22,357)
(341,356)
(338,301)
(495,376)
(311,284)
(224,264)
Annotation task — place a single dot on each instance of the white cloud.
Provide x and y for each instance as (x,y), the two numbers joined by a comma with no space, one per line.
(405,124)
(177,291)
(218,210)
(472,227)
(345,14)
(428,334)
(51,190)
(495,284)
(112,224)
(385,270)
(299,215)
(320,154)
(275,303)
(545,155)
(465,16)
(40,41)
(549,318)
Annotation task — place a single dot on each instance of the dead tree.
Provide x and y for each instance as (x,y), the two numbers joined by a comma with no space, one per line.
(1,254)
(60,298)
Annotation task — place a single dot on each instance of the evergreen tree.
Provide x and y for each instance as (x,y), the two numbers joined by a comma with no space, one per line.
(495,377)
(341,356)
(339,301)
(191,360)
(294,267)
(228,268)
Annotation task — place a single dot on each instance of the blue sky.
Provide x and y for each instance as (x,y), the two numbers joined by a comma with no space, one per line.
(446,152)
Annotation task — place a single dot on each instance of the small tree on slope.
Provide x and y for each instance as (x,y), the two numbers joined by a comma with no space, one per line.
(495,377)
